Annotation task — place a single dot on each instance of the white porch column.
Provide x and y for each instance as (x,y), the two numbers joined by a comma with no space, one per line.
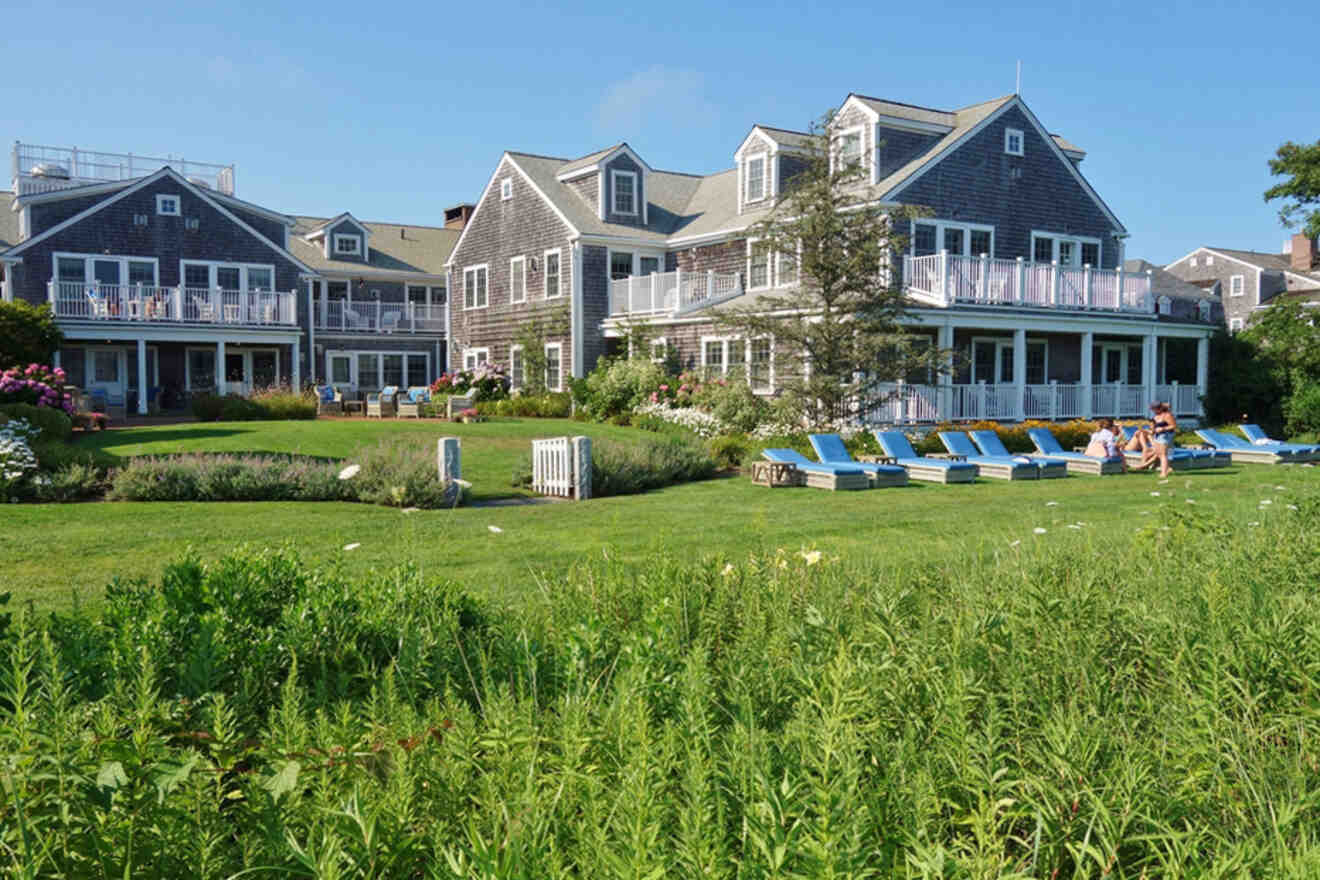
(1088,398)
(220,367)
(944,399)
(297,366)
(1150,345)
(55,359)
(311,331)
(1202,371)
(1020,371)
(142,376)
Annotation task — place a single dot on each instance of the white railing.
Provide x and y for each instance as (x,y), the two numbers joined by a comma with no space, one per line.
(945,279)
(374,316)
(984,401)
(552,467)
(65,167)
(900,403)
(79,300)
(903,403)
(671,292)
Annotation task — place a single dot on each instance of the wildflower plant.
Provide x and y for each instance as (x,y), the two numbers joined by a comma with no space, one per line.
(36,384)
(18,463)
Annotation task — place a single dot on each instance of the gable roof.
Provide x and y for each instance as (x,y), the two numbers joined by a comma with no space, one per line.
(909,112)
(401,250)
(320,230)
(782,138)
(1301,281)
(591,162)
(1164,283)
(8,225)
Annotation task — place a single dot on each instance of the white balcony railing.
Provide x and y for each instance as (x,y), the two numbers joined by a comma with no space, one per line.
(38,169)
(671,292)
(78,300)
(352,316)
(905,403)
(945,279)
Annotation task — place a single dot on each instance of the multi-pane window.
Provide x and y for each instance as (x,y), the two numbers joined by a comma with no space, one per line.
(1072,252)
(1090,253)
(758,364)
(1235,324)
(1067,252)
(105,366)
(758,264)
(167,205)
(1036,360)
(201,369)
(348,245)
(70,269)
(625,192)
(417,295)
(959,239)
(788,268)
(621,264)
(712,357)
(416,371)
(506,189)
(954,239)
(659,350)
(980,239)
(261,279)
(475,357)
(552,366)
(850,149)
(105,270)
(551,274)
(923,240)
(369,371)
(228,276)
(1237,285)
(516,374)
(393,369)
(649,265)
(341,370)
(1013,142)
(756,179)
(1043,250)
(518,280)
(196,275)
(474,288)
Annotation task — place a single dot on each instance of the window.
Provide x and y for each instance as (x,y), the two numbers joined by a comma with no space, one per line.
(167,205)
(1090,253)
(1235,324)
(712,357)
(659,350)
(758,264)
(552,274)
(1037,362)
(348,245)
(923,240)
(341,370)
(1013,141)
(368,371)
(105,366)
(788,269)
(518,280)
(1237,285)
(260,279)
(474,288)
(552,377)
(759,364)
(756,178)
(624,184)
(850,148)
(516,376)
(1192,262)
(506,189)
(1165,305)
(142,272)
(1042,250)
(1067,253)
(980,242)
(70,269)
(959,239)
(416,295)
(621,265)
(1070,250)
(200,375)
(649,265)
(417,370)
(105,270)
(1209,260)
(228,276)
(475,357)
(140,219)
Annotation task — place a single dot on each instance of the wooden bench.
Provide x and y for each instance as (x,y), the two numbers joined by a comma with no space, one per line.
(775,474)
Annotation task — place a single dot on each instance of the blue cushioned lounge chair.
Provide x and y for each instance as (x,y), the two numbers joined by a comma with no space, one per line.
(1244,452)
(1006,468)
(821,476)
(830,450)
(1048,445)
(1179,459)
(990,444)
(1258,437)
(932,470)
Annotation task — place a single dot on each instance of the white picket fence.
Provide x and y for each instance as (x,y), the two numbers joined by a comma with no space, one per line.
(561,467)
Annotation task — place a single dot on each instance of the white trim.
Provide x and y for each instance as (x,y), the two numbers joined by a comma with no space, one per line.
(514,272)
(122,259)
(769,266)
(161,207)
(478,267)
(559,360)
(603,160)
(940,225)
(724,353)
(769,388)
(559,274)
(214,265)
(354,354)
(320,231)
(615,174)
(1164,306)
(1235,324)
(514,384)
(1237,285)
(899,123)
(650,349)
(344,236)
(573,230)
(506,189)
(480,355)
(1055,250)
(764,158)
(1009,135)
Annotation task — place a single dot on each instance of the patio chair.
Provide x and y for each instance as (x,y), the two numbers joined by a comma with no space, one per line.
(96,305)
(329,401)
(1006,468)
(389,321)
(819,475)
(410,404)
(989,443)
(204,308)
(931,470)
(1180,458)
(1048,446)
(110,403)
(381,404)
(352,318)
(1302,451)
(1244,452)
(830,450)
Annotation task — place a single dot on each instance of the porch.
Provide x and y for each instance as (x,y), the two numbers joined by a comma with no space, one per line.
(141,303)
(945,280)
(904,403)
(671,293)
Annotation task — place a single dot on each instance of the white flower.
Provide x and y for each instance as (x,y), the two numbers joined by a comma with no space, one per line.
(728,569)
(1164,481)
(1191,501)
(353,546)
(1071,526)
(1281,488)
(1038,531)
(1265,502)
(410,510)
(811,556)
(1293,507)
(350,472)
(495,530)
(1154,494)
(1051,504)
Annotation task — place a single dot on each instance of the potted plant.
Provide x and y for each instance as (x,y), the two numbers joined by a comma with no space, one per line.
(469,416)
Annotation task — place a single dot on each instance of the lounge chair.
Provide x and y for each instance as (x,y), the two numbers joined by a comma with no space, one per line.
(410,404)
(389,321)
(329,401)
(1244,452)
(931,470)
(1006,468)
(1303,451)
(381,404)
(821,476)
(830,450)
(96,305)
(1180,458)
(990,444)
(1048,446)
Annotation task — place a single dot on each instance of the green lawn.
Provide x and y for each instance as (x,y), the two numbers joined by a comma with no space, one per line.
(52,552)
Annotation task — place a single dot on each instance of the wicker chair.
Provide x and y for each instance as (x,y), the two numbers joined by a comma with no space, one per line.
(383,403)
(410,403)
(329,401)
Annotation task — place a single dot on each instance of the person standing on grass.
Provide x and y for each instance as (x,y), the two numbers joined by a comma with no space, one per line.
(1163,427)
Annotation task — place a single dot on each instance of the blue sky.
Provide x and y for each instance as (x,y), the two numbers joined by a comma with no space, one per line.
(395,112)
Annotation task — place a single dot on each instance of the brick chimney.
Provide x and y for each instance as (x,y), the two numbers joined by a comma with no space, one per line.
(1303,253)
(458,216)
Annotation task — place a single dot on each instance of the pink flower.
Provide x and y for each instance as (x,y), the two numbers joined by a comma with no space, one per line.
(664,387)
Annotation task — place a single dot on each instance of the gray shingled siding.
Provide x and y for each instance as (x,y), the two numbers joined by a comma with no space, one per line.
(1222,270)
(595,303)
(977,184)
(346,227)
(726,257)
(623,163)
(272,229)
(588,189)
(43,216)
(898,147)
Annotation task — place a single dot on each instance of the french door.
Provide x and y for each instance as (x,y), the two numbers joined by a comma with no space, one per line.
(249,370)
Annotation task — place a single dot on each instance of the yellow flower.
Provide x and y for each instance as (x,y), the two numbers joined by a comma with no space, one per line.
(811,556)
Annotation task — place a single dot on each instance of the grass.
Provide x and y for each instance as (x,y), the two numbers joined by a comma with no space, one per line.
(56,552)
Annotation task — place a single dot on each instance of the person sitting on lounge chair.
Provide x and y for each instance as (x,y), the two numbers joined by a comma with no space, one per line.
(1104,442)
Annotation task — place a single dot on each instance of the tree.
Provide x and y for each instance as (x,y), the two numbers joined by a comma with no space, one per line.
(532,336)
(1300,163)
(837,332)
(27,334)
(1286,334)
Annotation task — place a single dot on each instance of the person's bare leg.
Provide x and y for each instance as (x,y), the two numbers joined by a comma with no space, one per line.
(1163,452)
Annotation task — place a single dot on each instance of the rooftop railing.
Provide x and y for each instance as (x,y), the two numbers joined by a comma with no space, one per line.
(38,169)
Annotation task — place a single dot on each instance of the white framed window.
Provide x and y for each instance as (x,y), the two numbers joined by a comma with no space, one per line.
(199,369)
(551,280)
(761,364)
(1165,305)
(959,239)
(1235,324)
(1209,259)
(518,279)
(339,368)
(372,370)
(714,356)
(659,350)
(624,186)
(506,189)
(1192,262)
(475,357)
(348,245)
(621,264)
(475,292)
(1014,142)
(168,205)
(208,274)
(1203,309)
(758,264)
(1237,285)
(553,361)
(1066,250)
(105,270)
(517,375)
(848,148)
(786,268)
(755,177)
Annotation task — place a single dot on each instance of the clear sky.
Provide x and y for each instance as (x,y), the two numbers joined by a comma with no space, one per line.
(396,111)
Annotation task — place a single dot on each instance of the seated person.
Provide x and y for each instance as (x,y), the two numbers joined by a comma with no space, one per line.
(1104,442)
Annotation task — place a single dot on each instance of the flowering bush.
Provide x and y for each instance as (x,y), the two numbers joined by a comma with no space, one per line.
(486,381)
(701,423)
(36,384)
(18,463)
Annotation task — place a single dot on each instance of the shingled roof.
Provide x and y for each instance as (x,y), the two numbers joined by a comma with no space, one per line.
(398,249)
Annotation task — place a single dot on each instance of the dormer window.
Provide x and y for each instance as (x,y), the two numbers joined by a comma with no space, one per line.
(756,178)
(506,189)
(624,184)
(348,245)
(167,205)
(1014,142)
(1165,305)
(850,148)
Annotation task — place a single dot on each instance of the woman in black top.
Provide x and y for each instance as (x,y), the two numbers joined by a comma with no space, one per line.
(1163,427)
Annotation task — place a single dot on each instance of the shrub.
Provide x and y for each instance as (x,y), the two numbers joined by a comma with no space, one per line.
(236,408)
(629,468)
(210,477)
(28,333)
(734,403)
(52,425)
(274,404)
(72,482)
(37,385)
(730,450)
(552,405)
(207,407)
(486,382)
(1303,409)
(618,386)
(18,463)
(285,404)
(402,473)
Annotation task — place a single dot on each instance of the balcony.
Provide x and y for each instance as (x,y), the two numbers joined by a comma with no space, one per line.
(902,403)
(348,316)
(142,304)
(945,280)
(671,293)
(38,169)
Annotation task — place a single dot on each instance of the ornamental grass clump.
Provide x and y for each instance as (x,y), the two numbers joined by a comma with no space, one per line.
(219,477)
(652,463)
(402,472)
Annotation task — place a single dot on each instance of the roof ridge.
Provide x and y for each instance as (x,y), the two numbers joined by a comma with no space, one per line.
(986,101)
(903,103)
(777,128)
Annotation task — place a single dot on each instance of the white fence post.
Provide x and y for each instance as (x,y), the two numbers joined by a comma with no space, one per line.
(1054,283)
(582,467)
(448,458)
(1020,277)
